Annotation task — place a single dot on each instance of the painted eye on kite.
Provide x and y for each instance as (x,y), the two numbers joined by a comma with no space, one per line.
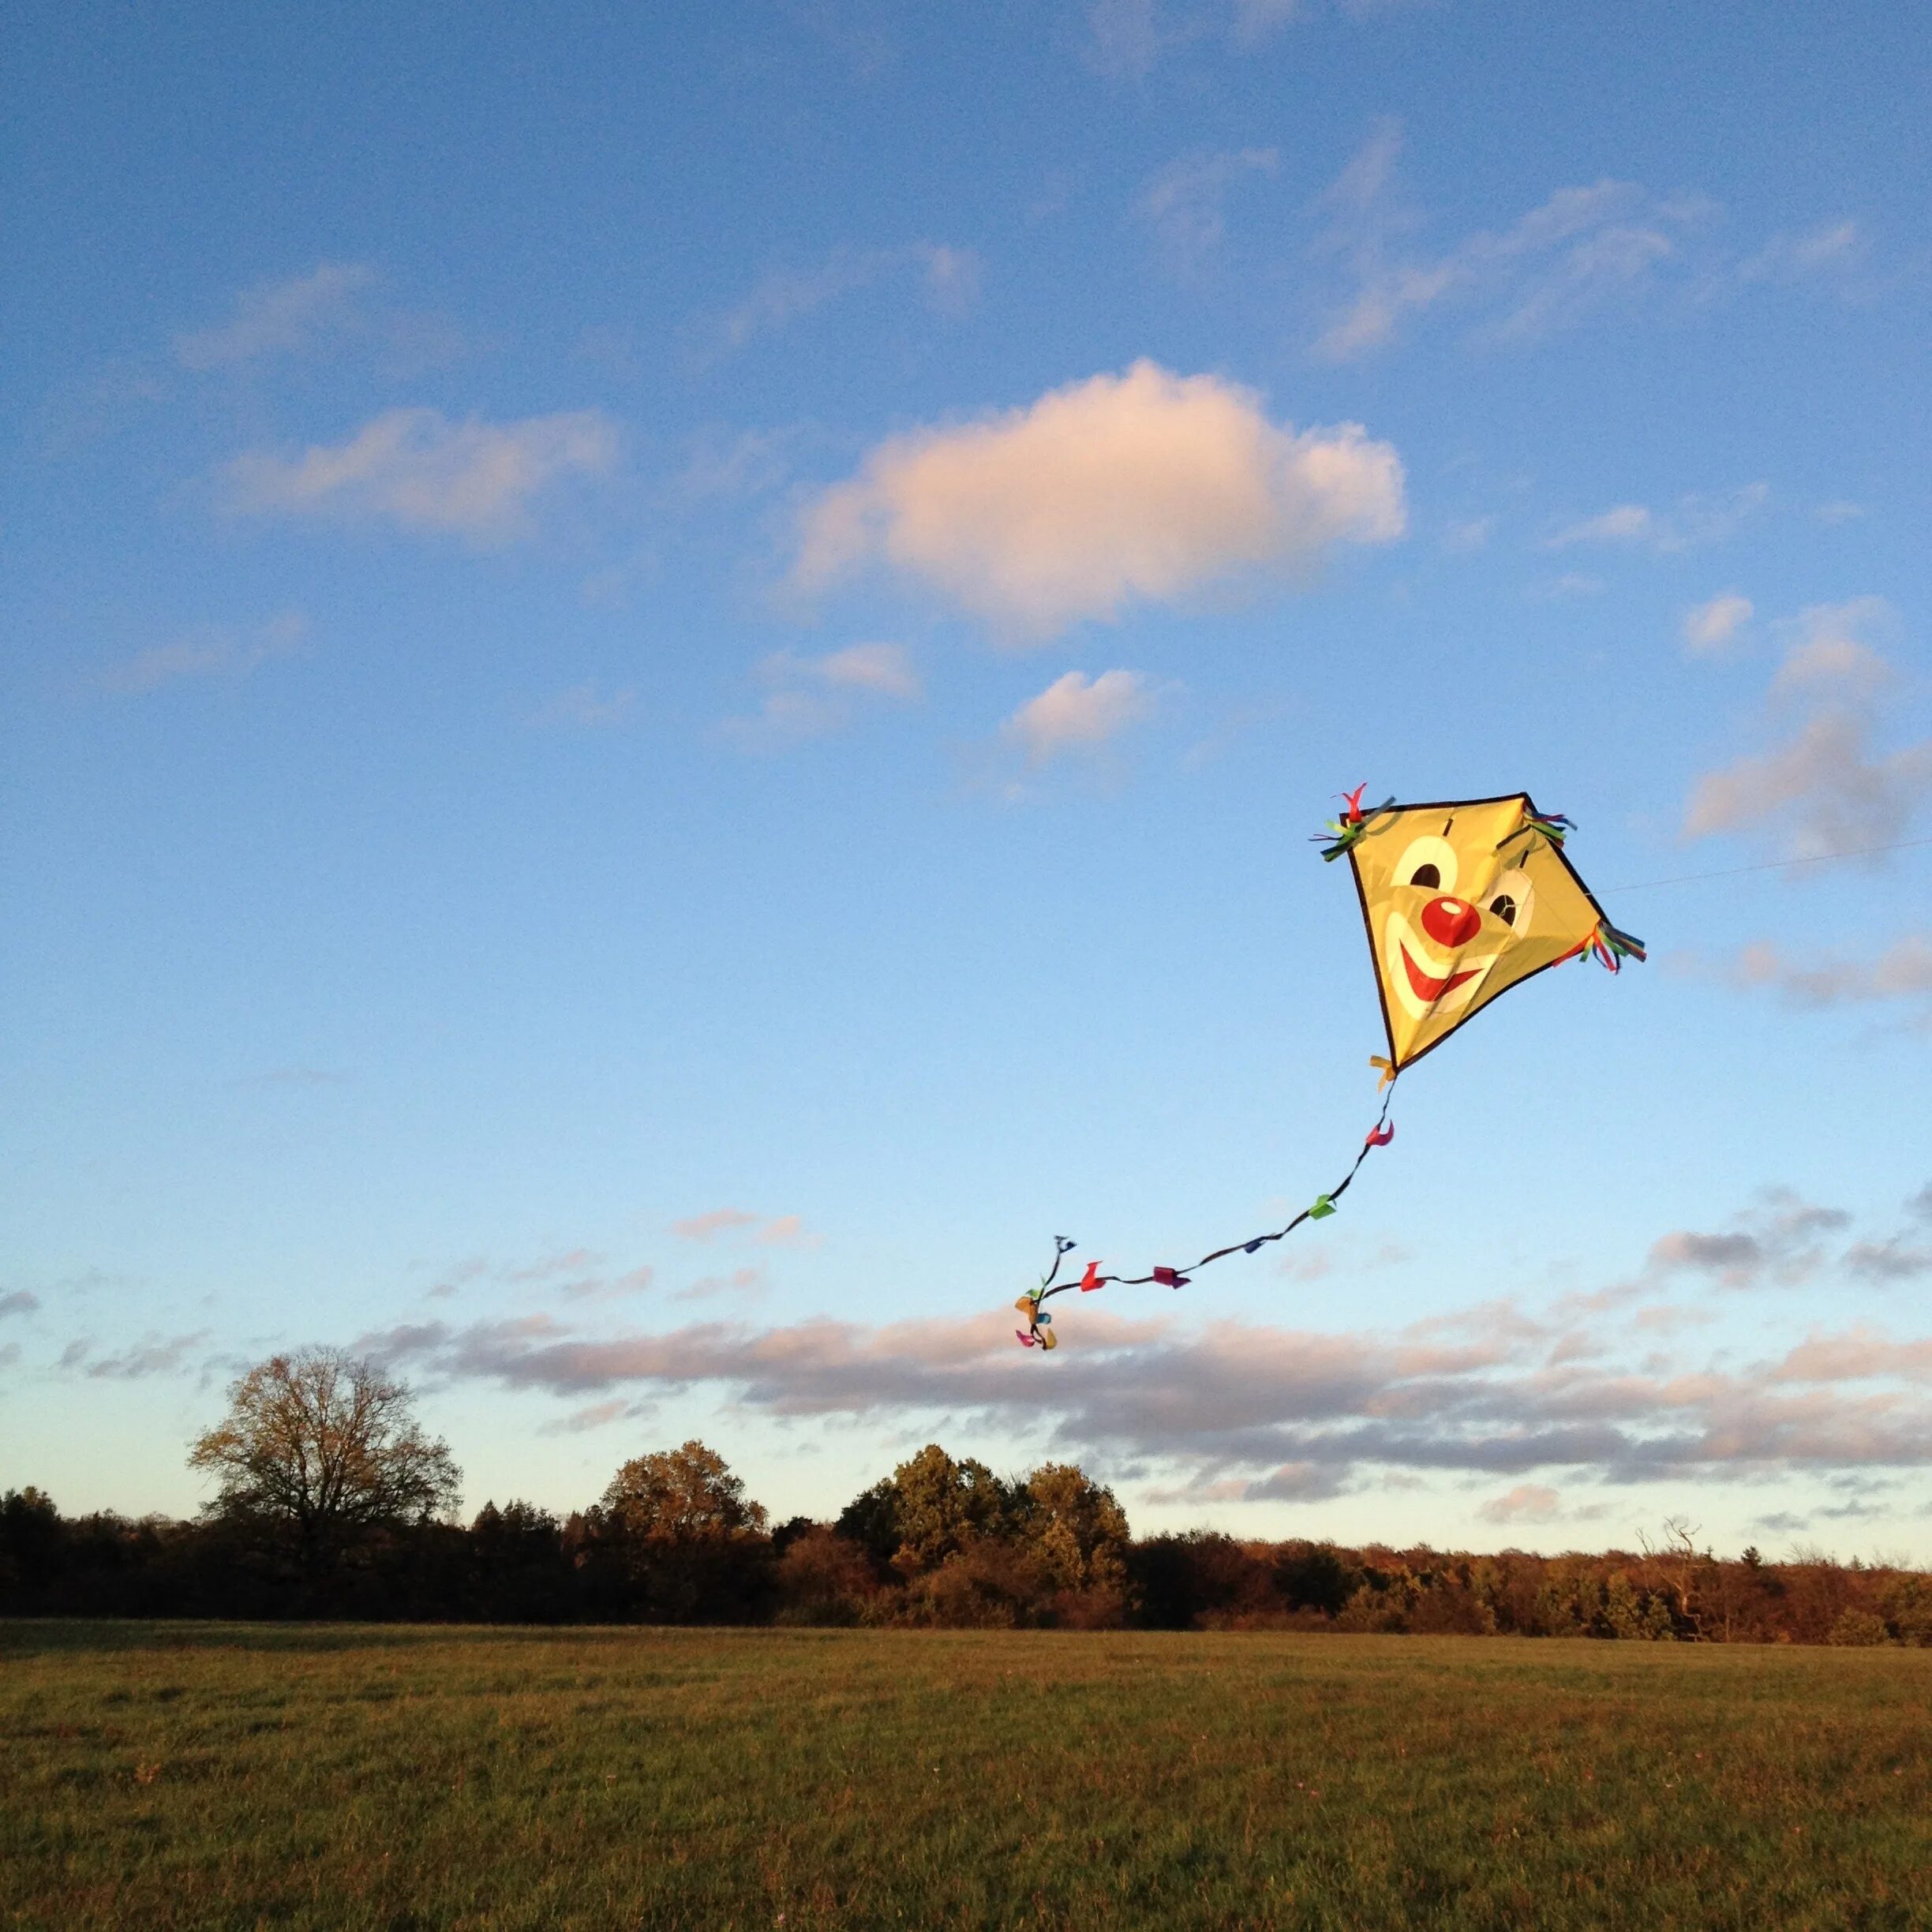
(1429,863)
(1511,899)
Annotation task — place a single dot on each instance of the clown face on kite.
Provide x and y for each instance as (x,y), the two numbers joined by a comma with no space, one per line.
(1463,898)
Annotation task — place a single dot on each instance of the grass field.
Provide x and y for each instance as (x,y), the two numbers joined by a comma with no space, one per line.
(199,1775)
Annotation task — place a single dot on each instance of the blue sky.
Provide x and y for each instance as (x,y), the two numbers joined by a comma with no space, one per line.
(666,679)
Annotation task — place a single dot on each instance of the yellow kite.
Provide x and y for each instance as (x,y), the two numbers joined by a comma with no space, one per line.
(1463,900)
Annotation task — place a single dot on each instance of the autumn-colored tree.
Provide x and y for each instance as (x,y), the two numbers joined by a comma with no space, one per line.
(929,1509)
(681,1495)
(676,1539)
(1075,1527)
(322,1447)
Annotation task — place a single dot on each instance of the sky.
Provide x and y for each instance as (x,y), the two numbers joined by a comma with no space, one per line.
(667,673)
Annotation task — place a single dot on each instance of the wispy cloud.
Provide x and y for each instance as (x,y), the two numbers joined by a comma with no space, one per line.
(1529,1502)
(1779,1240)
(1079,714)
(947,278)
(740,1282)
(279,318)
(587,705)
(812,697)
(1586,250)
(1280,1410)
(20,1301)
(1696,521)
(1902,971)
(1825,789)
(786,1230)
(1184,203)
(211,651)
(1710,627)
(1832,248)
(416,468)
(1134,488)
(1580,251)
(156,1355)
(1124,38)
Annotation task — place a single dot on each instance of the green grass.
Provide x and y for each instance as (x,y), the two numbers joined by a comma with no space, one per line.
(182,1775)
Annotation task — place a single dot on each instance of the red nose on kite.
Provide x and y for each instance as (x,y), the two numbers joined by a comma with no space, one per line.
(1451,922)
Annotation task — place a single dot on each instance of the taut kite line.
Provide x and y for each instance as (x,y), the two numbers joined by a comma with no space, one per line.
(1463,900)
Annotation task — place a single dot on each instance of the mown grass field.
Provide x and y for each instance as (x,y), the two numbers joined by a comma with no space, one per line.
(330,1777)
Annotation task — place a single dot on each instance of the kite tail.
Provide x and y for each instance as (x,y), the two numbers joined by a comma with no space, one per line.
(1038,1331)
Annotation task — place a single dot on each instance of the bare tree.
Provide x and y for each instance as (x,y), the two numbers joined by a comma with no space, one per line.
(323,1445)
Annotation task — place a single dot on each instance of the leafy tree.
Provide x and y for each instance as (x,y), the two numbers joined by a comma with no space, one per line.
(1310,1576)
(321,1447)
(676,1539)
(519,1572)
(30,1537)
(929,1508)
(681,1495)
(1075,1527)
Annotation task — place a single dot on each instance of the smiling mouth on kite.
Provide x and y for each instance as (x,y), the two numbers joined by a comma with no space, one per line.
(1428,989)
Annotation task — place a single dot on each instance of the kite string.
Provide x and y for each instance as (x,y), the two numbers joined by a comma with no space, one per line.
(1772,865)
(1322,1206)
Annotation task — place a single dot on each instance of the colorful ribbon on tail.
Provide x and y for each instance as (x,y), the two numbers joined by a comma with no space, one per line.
(1039,1332)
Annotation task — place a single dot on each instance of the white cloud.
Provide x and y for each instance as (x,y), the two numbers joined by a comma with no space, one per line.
(1841,510)
(1531,1502)
(1902,971)
(1828,653)
(1183,203)
(1075,713)
(415,468)
(1698,520)
(812,697)
(885,668)
(1825,789)
(278,318)
(1709,626)
(211,651)
(1139,486)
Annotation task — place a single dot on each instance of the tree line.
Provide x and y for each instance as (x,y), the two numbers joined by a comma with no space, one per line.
(330,1501)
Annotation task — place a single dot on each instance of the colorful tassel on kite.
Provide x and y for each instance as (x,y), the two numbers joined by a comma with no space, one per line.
(1388,1071)
(1553,825)
(1624,945)
(1381,1136)
(1344,833)
(1611,948)
(1323,1207)
(1169,1278)
(1091,1280)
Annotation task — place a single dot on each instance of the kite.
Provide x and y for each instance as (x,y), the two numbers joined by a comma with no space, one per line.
(1463,900)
